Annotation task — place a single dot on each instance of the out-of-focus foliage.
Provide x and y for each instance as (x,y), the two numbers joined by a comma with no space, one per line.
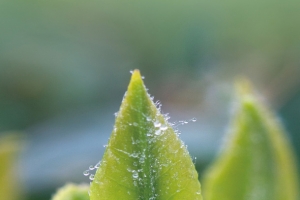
(9,183)
(72,192)
(144,158)
(257,161)
(57,56)
(57,60)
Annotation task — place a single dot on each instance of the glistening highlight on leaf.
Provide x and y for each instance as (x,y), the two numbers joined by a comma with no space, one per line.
(144,159)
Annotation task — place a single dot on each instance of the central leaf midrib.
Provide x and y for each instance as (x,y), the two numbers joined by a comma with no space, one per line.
(257,148)
(146,177)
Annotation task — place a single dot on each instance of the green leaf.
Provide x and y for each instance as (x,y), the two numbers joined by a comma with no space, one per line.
(72,192)
(144,159)
(257,162)
(9,148)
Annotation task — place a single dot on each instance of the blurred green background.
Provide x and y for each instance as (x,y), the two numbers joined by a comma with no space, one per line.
(64,67)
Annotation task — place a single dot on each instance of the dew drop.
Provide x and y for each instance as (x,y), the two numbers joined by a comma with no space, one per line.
(157,132)
(86,173)
(183,122)
(91,167)
(163,127)
(134,155)
(135,175)
(97,165)
(142,160)
(194,160)
(135,124)
(148,119)
(143,77)
(172,124)
(92,177)
(131,71)
(194,119)
(157,123)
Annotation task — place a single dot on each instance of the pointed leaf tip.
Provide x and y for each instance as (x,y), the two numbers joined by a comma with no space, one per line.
(135,81)
(136,73)
(144,159)
(257,162)
(243,85)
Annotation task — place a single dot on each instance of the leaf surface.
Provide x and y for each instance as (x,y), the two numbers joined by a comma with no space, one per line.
(72,192)
(10,146)
(257,162)
(144,159)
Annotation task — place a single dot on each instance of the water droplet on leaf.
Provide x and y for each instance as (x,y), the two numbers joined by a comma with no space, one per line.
(157,123)
(135,175)
(86,173)
(91,167)
(157,132)
(97,165)
(92,177)
(163,127)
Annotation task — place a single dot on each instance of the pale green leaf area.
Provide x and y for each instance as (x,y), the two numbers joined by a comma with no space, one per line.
(144,159)
(256,162)
(9,186)
(72,192)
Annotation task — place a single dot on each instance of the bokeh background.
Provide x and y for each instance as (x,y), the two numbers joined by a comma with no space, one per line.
(64,68)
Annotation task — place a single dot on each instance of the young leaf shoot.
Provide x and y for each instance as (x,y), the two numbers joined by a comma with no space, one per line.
(256,162)
(72,192)
(144,159)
